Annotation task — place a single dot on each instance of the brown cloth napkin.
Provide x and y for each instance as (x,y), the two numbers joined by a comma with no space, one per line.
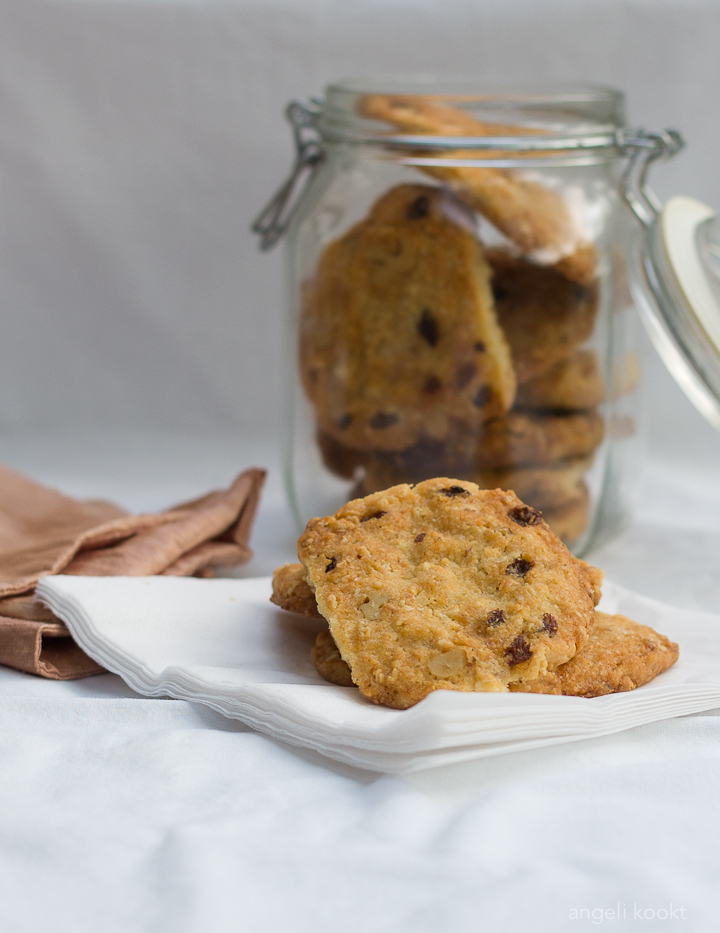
(44,532)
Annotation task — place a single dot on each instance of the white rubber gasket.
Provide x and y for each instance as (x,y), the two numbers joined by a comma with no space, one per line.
(679,220)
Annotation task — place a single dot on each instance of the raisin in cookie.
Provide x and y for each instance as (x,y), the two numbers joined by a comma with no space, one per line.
(445,586)
(544,316)
(620,655)
(398,333)
(531,215)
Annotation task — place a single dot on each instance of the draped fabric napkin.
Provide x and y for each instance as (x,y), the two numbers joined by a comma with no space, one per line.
(222,643)
(43,532)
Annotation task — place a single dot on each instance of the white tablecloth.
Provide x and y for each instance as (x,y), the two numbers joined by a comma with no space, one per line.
(137,141)
(121,814)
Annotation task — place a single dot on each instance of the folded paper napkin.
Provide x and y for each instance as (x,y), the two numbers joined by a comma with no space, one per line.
(222,643)
(43,532)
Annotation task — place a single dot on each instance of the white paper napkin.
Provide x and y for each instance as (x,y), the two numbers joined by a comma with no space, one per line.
(222,643)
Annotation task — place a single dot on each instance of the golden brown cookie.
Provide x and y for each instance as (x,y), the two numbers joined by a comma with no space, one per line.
(533,438)
(419,113)
(544,487)
(561,495)
(328,661)
(572,384)
(398,336)
(569,520)
(544,316)
(620,655)
(445,586)
(292,592)
(490,456)
(341,460)
(376,470)
(531,215)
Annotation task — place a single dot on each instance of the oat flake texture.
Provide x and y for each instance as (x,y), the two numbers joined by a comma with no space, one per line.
(414,579)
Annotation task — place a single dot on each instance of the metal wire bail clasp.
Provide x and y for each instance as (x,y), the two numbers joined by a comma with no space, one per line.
(274,219)
(643,149)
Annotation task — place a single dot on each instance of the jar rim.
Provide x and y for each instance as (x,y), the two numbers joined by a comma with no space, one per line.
(471,87)
(518,116)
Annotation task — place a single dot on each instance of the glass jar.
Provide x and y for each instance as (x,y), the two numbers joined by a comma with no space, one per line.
(458,294)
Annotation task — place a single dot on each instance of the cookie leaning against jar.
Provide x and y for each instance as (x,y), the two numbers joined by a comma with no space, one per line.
(445,586)
(535,218)
(398,336)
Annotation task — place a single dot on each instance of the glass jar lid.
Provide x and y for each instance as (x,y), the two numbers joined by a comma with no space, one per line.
(677,283)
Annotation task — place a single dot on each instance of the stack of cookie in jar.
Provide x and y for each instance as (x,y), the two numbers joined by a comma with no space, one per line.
(425,353)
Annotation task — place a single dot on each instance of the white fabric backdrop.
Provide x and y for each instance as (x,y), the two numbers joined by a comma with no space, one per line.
(139,137)
(137,140)
(124,815)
